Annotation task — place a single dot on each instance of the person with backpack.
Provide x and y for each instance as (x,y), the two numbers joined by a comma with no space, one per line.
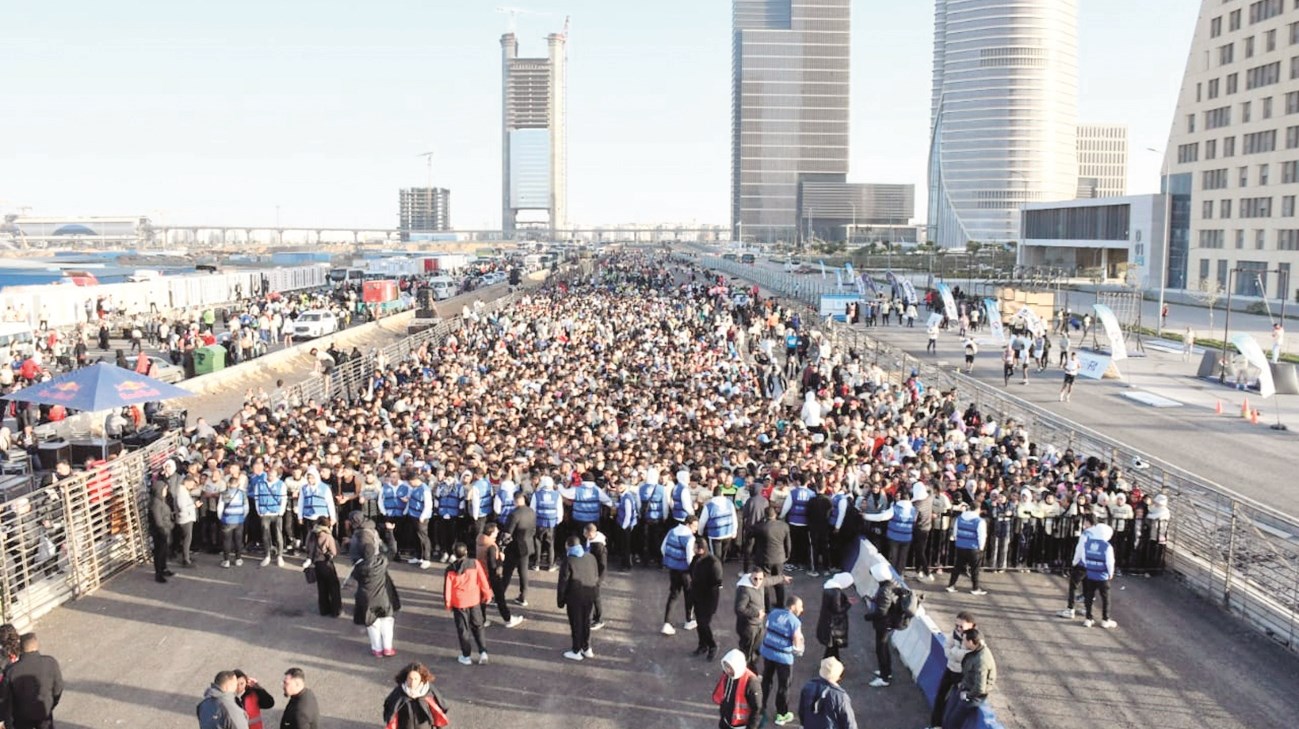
(880,613)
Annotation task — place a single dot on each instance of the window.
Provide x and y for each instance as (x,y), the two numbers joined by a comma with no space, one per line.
(1294,33)
(1213,179)
(1188,153)
(1260,238)
(1259,142)
(1204,269)
(1240,239)
(1226,54)
(1231,83)
(1263,174)
(1190,123)
(1211,149)
(1206,210)
(1267,107)
(1215,27)
(1213,87)
(1221,117)
(1269,41)
(1222,273)
(1287,206)
(1228,146)
(1249,47)
(1265,75)
(1264,9)
(1292,102)
(1256,207)
(1291,137)
(1243,174)
(1224,209)
(1211,238)
(1289,172)
(1233,21)
(1245,107)
(1287,240)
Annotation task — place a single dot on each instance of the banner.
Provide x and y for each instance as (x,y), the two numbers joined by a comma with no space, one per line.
(838,279)
(823,276)
(1032,321)
(1092,365)
(949,303)
(1118,350)
(870,284)
(1253,354)
(847,267)
(893,284)
(909,291)
(994,321)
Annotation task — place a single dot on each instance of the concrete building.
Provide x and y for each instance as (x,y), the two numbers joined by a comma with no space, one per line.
(1232,160)
(424,209)
(534,135)
(1119,239)
(789,109)
(1004,115)
(1102,160)
(835,211)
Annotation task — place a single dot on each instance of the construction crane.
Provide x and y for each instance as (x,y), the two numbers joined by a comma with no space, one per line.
(514,14)
(428,157)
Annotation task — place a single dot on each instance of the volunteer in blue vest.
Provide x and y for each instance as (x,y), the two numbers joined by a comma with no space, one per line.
(654,515)
(315,500)
(901,529)
(1078,569)
(971,537)
(451,502)
(626,518)
(419,510)
(549,506)
(587,498)
(781,643)
(1098,558)
(878,613)
(478,507)
(271,498)
(794,512)
(392,509)
(719,523)
(683,500)
(232,510)
(678,548)
(738,693)
(503,500)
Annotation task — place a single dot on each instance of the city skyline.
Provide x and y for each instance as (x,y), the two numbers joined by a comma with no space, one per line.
(125,110)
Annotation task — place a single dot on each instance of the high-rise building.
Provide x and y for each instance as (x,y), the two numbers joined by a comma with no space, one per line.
(1004,114)
(1102,160)
(1232,161)
(424,209)
(534,134)
(789,109)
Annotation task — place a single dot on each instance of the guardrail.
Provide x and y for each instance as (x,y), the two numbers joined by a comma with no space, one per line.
(1235,551)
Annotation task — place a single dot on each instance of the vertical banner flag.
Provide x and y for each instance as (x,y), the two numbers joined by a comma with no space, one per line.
(1255,356)
(893,284)
(838,279)
(909,291)
(823,276)
(870,284)
(847,267)
(1118,350)
(994,320)
(949,303)
(1031,320)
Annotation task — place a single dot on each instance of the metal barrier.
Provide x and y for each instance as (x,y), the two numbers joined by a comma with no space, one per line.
(64,540)
(1237,552)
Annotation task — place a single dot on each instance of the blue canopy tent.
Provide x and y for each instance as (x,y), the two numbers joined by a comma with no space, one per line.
(100,386)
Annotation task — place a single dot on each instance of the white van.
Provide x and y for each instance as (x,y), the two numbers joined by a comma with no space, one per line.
(443,287)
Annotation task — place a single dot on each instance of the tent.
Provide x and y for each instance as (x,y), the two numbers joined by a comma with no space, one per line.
(100,386)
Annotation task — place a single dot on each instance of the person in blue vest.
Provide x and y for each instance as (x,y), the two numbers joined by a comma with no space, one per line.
(683,499)
(271,498)
(719,523)
(794,512)
(503,500)
(901,530)
(971,536)
(451,501)
(391,511)
(1097,556)
(478,508)
(626,517)
(653,517)
(587,498)
(232,510)
(678,549)
(419,510)
(549,506)
(314,500)
(781,643)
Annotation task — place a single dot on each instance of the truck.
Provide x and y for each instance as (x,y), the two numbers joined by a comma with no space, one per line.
(445,262)
(443,287)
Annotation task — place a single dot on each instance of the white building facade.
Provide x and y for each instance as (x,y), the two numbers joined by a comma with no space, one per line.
(1102,160)
(1115,239)
(1004,115)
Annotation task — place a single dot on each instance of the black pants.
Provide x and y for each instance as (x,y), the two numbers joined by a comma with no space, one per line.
(950,679)
(883,654)
(773,595)
(232,540)
(720,548)
(704,612)
(502,605)
(446,531)
(1077,574)
(623,539)
(898,552)
(543,541)
(329,594)
(679,583)
(967,560)
(184,537)
(272,537)
(421,535)
(780,673)
(514,561)
(819,541)
(958,710)
(469,623)
(579,623)
(801,549)
(160,543)
(597,608)
(750,637)
(921,539)
(1090,588)
(654,533)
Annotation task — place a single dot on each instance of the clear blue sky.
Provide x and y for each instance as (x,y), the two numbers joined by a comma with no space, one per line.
(219,112)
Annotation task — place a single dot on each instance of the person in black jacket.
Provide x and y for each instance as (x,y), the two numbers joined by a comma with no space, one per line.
(414,703)
(752,515)
(878,614)
(832,624)
(519,530)
(818,526)
(597,545)
(771,547)
(750,612)
(579,586)
(706,587)
(302,711)
(161,522)
(32,687)
(252,698)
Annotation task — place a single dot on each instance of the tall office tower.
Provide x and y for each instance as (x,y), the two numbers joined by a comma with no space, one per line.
(424,209)
(1232,160)
(1004,115)
(789,109)
(1102,160)
(534,144)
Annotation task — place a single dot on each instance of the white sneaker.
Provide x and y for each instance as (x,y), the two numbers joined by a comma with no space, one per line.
(978,593)
(225,564)
(266,561)
(690,624)
(515,621)
(588,653)
(487,622)
(413,560)
(879,682)
(597,626)
(466,661)
(1069,613)
(279,561)
(1109,624)
(570,655)
(1088,623)
(950,588)
(813,573)
(482,658)
(239,563)
(668,629)
(425,564)
(306,563)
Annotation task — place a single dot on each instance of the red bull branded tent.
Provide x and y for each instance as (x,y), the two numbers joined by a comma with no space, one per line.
(100,386)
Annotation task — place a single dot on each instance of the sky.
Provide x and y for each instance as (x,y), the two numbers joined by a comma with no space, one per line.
(317,111)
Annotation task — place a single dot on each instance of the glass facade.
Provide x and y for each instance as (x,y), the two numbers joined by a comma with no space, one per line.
(1102,222)
(529,169)
(1179,230)
(789,108)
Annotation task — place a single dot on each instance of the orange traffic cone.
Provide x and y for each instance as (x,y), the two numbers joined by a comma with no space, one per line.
(1244,408)
(1217,409)
(1253,417)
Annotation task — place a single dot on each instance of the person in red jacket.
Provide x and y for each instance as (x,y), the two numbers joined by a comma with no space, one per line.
(466,587)
(252,698)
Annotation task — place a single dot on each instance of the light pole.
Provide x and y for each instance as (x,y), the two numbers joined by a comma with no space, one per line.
(1168,214)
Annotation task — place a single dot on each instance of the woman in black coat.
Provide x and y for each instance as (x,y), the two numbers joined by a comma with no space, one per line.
(377,602)
(832,625)
(414,703)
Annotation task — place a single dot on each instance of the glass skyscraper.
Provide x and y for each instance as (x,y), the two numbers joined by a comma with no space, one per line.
(789,109)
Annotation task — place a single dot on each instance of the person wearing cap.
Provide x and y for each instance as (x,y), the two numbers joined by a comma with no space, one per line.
(832,623)
(878,613)
(823,704)
(782,642)
(737,694)
(1154,536)
(971,537)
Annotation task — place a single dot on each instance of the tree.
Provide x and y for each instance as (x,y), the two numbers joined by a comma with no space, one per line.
(972,247)
(1209,292)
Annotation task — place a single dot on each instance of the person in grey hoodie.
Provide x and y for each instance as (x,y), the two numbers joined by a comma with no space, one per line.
(218,709)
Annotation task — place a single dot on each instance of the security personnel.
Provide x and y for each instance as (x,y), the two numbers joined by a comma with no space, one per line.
(1098,558)
(654,514)
(392,509)
(232,510)
(549,506)
(419,509)
(737,694)
(587,499)
(678,548)
(271,498)
(719,523)
(478,507)
(626,518)
(971,536)
(900,531)
(683,501)
(794,512)
(451,500)
(503,501)
(315,500)
(782,641)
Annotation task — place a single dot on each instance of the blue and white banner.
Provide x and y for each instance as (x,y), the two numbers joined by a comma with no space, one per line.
(994,321)
(949,303)
(893,284)
(1253,354)
(870,284)
(838,279)
(1031,320)
(847,267)
(909,291)
(823,276)
(1113,332)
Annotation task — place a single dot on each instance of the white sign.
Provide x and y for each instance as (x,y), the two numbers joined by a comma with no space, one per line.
(1118,350)
(1093,366)
(1254,355)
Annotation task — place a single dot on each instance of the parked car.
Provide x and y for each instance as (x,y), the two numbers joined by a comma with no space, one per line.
(493,278)
(163,370)
(315,323)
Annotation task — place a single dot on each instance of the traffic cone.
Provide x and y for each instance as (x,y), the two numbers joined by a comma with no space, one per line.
(1217,409)
(1253,417)
(1244,408)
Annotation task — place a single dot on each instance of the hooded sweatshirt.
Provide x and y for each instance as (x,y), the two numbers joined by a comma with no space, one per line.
(218,710)
(727,685)
(748,604)
(1102,532)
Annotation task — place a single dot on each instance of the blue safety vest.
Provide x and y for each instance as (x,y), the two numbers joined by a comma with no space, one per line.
(236,508)
(415,507)
(798,499)
(676,554)
(268,496)
(629,509)
(392,505)
(586,504)
(967,533)
(453,496)
(1094,553)
(314,504)
(484,496)
(678,503)
(651,495)
(507,505)
(547,508)
(721,519)
(903,523)
(778,643)
(791,341)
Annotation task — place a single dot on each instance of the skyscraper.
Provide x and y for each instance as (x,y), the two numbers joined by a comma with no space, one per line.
(1102,160)
(534,133)
(424,209)
(789,109)
(1004,114)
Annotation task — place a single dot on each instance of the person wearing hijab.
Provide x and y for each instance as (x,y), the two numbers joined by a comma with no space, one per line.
(377,602)
(832,624)
(414,703)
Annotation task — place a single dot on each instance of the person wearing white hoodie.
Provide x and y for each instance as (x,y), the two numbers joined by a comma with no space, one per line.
(1077,570)
(738,694)
(1097,556)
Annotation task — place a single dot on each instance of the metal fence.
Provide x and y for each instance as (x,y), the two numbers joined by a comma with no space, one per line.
(1235,551)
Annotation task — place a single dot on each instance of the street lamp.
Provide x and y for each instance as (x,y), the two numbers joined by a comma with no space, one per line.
(1168,213)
